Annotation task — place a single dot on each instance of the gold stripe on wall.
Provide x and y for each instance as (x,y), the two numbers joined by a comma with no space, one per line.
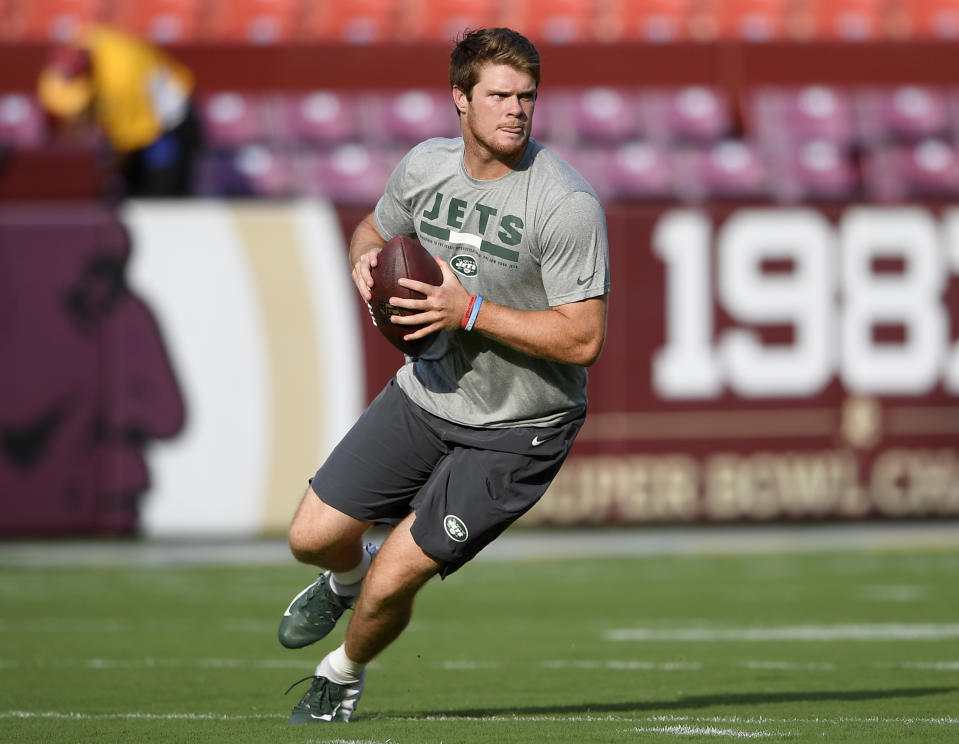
(268,234)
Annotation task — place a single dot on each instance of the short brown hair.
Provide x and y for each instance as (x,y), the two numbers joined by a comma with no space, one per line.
(501,46)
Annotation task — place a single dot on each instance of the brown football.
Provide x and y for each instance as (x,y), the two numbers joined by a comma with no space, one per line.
(403,256)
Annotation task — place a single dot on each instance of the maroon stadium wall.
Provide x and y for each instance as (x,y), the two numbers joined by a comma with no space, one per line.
(732,65)
(768,363)
(762,363)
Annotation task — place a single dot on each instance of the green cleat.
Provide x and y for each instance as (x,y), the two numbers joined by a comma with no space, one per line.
(326,701)
(312,614)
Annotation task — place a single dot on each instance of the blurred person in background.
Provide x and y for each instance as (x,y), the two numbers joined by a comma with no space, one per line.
(86,382)
(138,97)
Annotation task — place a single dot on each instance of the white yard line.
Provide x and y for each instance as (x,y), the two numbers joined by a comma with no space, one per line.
(893,593)
(730,720)
(467,665)
(66,625)
(698,721)
(623,665)
(685,730)
(151,663)
(137,716)
(932,666)
(790,666)
(814,633)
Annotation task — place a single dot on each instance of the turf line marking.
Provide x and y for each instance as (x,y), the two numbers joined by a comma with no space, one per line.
(623,665)
(727,720)
(905,593)
(645,720)
(871,632)
(468,666)
(684,730)
(90,625)
(150,663)
(934,666)
(194,663)
(789,666)
(139,716)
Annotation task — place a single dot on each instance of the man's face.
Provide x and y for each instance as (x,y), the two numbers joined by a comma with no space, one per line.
(499,115)
(85,380)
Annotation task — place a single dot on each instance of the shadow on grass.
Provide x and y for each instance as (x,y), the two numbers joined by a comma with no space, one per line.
(684,703)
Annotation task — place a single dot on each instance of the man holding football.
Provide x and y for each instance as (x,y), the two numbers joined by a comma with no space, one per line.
(467,437)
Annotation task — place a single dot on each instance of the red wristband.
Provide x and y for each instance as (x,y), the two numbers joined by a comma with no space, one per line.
(469,309)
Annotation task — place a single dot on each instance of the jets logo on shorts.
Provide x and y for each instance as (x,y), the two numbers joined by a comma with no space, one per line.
(455,528)
(464,264)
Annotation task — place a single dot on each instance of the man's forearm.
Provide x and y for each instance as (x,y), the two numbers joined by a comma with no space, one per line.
(573,333)
(365,237)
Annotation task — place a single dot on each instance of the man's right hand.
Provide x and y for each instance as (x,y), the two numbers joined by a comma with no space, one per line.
(365,246)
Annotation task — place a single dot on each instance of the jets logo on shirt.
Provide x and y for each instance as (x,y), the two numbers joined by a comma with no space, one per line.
(464,264)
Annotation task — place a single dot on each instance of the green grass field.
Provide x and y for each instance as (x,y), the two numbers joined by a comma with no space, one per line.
(839,647)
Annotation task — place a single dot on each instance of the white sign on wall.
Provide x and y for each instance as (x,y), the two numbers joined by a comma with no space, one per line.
(256,306)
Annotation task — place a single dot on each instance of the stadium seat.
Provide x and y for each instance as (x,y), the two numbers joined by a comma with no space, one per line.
(931,169)
(410,116)
(639,170)
(318,117)
(9,20)
(553,21)
(689,113)
(815,169)
(650,21)
(753,20)
(933,19)
(783,116)
(163,21)
(50,20)
(445,20)
(352,21)
(847,20)
(22,121)
(353,174)
(231,119)
(905,113)
(250,171)
(255,21)
(927,169)
(603,114)
(730,169)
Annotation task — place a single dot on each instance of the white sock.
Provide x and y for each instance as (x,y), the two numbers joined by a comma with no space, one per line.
(347,583)
(340,668)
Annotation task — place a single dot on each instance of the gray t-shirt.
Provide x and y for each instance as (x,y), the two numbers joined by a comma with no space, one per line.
(532,239)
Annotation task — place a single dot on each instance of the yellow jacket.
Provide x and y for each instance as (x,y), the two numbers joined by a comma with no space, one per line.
(138,91)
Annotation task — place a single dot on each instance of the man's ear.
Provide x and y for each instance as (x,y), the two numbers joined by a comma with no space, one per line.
(460,100)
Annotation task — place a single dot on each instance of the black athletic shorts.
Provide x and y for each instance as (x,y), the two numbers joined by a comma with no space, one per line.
(466,484)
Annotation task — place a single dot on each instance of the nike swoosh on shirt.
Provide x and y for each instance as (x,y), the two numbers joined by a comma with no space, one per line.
(581,282)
